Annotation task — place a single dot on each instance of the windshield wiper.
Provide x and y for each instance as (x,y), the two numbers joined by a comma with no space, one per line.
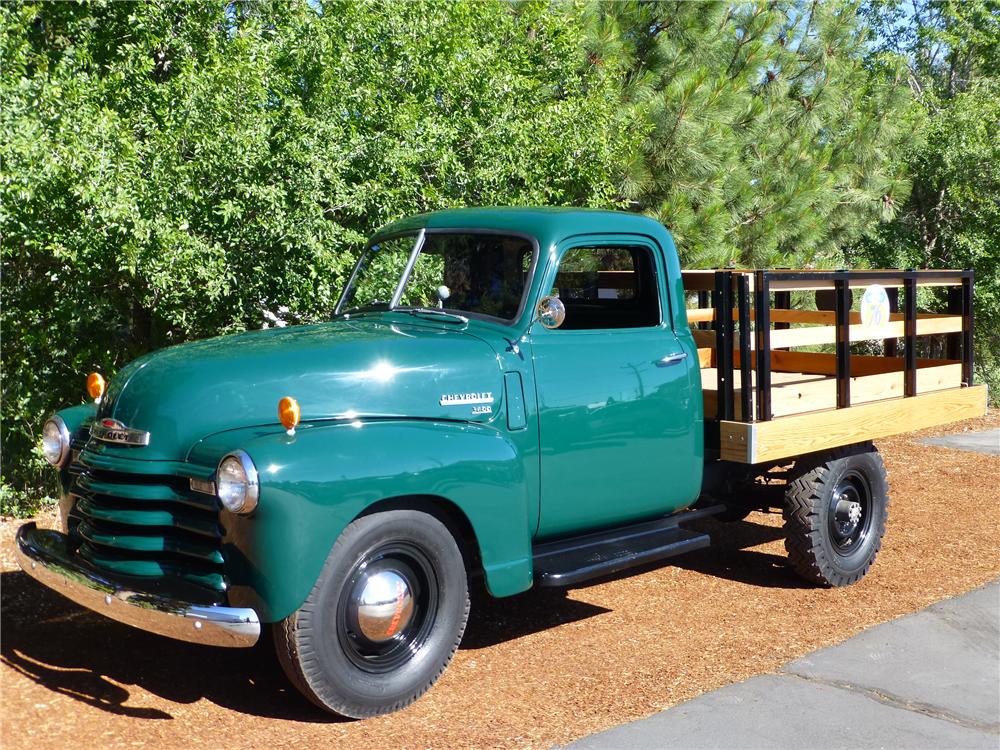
(371,307)
(431,312)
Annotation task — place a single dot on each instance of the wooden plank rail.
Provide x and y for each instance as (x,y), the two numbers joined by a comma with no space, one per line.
(790,337)
(802,392)
(703,280)
(793,436)
(779,315)
(786,338)
(861,364)
(821,363)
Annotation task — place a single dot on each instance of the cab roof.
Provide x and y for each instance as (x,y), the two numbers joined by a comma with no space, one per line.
(546,224)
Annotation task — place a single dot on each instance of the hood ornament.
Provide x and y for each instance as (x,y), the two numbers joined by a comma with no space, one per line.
(113,431)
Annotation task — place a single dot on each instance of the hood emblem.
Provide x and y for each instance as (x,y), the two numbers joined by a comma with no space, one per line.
(113,431)
(463,399)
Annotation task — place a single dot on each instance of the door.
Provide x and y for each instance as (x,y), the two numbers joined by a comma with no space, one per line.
(614,392)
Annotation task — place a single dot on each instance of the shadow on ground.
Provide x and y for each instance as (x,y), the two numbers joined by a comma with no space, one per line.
(730,558)
(77,653)
(80,654)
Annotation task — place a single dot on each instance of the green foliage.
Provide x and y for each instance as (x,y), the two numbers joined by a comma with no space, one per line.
(770,143)
(952,218)
(171,171)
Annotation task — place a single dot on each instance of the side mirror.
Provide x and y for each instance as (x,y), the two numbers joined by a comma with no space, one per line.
(551,312)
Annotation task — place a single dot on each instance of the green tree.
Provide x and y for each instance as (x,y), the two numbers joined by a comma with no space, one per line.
(951,51)
(769,143)
(171,171)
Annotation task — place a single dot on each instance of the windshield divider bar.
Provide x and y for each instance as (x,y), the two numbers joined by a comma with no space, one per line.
(398,294)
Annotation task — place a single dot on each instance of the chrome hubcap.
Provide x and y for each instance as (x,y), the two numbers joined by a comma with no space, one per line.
(388,608)
(381,605)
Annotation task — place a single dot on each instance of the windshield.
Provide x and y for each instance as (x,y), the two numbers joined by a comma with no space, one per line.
(482,275)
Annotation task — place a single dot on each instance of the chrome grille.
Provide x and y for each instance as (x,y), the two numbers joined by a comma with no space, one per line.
(150,527)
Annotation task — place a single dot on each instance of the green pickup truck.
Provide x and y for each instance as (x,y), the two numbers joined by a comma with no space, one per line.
(521,397)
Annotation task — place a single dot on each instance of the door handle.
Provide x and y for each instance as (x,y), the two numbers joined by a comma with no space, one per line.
(672,359)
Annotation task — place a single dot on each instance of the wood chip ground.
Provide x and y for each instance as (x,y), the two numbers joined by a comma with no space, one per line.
(540,669)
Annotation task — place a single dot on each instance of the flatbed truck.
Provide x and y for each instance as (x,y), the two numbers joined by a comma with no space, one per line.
(526,397)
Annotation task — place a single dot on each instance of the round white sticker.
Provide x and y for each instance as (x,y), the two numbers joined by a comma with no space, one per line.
(874,307)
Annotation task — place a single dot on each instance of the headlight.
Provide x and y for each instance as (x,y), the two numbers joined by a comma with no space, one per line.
(55,441)
(236,483)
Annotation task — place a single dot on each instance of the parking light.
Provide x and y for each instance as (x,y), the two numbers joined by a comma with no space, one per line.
(289,413)
(96,386)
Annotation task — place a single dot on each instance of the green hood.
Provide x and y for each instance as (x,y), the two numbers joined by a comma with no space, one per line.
(356,369)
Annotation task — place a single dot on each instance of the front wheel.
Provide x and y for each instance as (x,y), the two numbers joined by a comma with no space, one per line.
(383,620)
(835,511)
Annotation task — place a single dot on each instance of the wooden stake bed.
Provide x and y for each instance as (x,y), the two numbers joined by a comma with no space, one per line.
(767,408)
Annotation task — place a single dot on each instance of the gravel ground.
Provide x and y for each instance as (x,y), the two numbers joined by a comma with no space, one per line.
(542,668)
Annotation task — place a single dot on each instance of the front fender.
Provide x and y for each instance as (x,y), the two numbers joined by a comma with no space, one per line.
(316,482)
(78,420)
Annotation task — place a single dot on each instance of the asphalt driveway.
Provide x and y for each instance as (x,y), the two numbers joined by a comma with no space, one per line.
(927,680)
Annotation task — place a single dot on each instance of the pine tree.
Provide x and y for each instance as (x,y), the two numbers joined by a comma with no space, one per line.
(769,143)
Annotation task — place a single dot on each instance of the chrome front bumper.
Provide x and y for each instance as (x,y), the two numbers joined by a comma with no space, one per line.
(44,555)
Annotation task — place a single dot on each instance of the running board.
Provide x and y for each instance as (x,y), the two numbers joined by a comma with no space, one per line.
(565,562)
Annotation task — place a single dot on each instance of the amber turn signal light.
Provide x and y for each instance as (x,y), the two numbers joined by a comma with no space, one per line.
(96,385)
(289,413)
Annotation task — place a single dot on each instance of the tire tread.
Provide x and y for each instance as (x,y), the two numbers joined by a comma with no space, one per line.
(293,646)
(803,520)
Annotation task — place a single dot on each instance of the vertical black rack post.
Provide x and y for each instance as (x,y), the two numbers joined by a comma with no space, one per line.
(968,355)
(782,301)
(842,285)
(746,358)
(910,333)
(723,298)
(762,327)
(703,303)
(890,344)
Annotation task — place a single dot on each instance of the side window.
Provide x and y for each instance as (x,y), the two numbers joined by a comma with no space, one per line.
(608,287)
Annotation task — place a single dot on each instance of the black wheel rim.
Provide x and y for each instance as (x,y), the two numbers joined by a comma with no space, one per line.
(850,513)
(393,647)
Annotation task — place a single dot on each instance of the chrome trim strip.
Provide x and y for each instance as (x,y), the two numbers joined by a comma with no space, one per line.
(205,486)
(118,434)
(44,555)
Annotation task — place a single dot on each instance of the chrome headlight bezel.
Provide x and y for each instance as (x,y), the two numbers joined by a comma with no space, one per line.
(65,441)
(250,483)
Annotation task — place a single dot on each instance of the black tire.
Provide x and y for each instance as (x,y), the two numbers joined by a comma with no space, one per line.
(835,512)
(324,646)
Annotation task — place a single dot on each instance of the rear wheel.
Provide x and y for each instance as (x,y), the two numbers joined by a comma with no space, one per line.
(383,620)
(835,513)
